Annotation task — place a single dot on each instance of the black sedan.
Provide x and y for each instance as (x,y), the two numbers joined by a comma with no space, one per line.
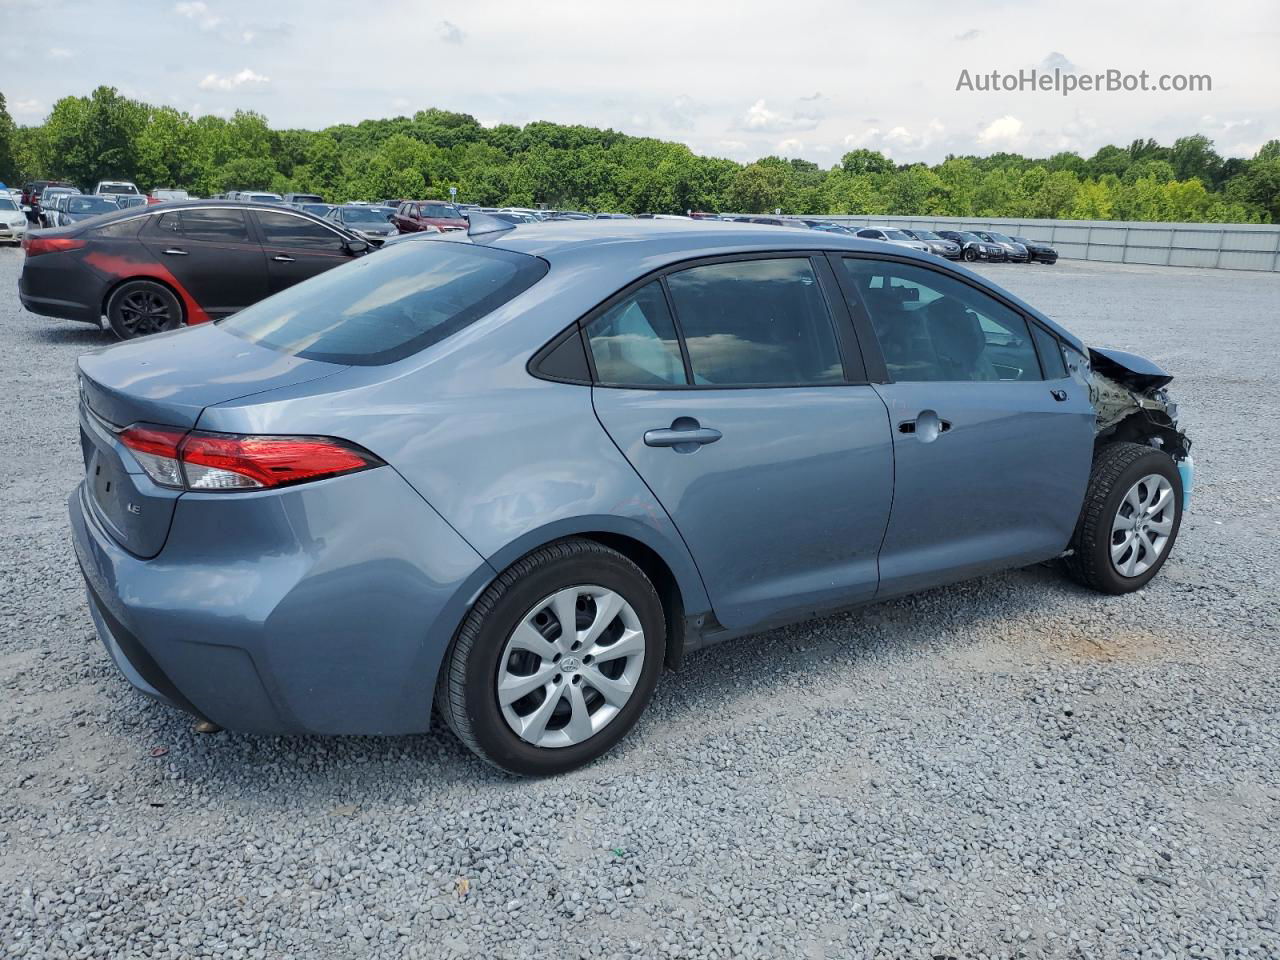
(156,268)
(973,247)
(1038,251)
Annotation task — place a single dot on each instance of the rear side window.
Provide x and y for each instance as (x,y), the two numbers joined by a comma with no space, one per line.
(225,225)
(634,342)
(756,323)
(386,306)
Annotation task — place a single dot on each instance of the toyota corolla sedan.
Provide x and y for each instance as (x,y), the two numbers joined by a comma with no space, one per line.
(516,471)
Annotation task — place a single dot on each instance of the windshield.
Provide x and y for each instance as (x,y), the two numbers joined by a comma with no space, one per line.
(363,215)
(171,194)
(90,205)
(7,204)
(384,307)
(441,211)
(117,188)
(896,235)
(264,198)
(926,235)
(1000,238)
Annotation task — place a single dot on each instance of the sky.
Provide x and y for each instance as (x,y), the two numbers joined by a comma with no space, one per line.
(742,80)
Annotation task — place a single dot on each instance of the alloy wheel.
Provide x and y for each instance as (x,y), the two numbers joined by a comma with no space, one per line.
(570,665)
(144,312)
(1142,525)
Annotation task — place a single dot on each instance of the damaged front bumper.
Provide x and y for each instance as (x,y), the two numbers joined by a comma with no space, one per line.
(1128,392)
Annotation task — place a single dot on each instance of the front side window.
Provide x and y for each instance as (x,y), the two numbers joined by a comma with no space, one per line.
(756,323)
(220,224)
(286,230)
(933,327)
(383,308)
(634,342)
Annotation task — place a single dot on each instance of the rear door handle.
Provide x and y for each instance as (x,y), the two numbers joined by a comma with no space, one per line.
(281,258)
(927,426)
(1059,395)
(685,435)
(175,252)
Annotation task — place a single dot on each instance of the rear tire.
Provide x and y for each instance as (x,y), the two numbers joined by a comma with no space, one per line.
(139,308)
(513,638)
(1130,519)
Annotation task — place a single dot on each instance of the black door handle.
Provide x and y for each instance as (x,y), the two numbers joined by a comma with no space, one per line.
(1059,395)
(685,435)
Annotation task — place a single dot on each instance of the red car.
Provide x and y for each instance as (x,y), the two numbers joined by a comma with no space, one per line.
(415,216)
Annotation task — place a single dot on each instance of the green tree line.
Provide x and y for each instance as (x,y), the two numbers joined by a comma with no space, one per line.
(107,136)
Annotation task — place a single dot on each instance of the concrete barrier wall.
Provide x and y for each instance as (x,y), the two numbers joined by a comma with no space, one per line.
(1227,246)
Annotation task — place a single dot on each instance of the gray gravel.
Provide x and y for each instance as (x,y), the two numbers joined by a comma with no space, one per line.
(1011,767)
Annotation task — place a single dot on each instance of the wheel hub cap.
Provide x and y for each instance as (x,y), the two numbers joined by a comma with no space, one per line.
(1142,526)
(570,666)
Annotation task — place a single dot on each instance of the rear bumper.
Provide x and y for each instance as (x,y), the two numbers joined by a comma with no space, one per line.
(325,608)
(35,298)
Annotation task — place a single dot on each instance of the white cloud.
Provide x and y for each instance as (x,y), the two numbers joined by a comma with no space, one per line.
(760,119)
(971,34)
(789,147)
(27,109)
(682,112)
(245,78)
(1003,132)
(59,53)
(198,12)
(731,146)
(899,140)
(451,32)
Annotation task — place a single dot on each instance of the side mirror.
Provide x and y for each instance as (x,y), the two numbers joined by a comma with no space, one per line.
(354,247)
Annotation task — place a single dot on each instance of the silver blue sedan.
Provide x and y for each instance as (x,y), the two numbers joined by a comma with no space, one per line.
(518,471)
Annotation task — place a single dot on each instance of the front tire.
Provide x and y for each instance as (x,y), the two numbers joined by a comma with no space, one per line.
(1130,519)
(142,307)
(970,254)
(556,661)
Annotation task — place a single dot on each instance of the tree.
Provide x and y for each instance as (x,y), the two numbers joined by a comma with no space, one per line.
(1195,157)
(865,161)
(8,170)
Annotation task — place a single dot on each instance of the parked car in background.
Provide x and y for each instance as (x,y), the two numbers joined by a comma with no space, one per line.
(896,237)
(117,187)
(973,247)
(316,209)
(72,208)
(297,199)
(1012,249)
(1038,250)
(13,222)
(614,216)
(255,196)
(404,527)
(365,222)
(507,216)
(939,246)
(151,269)
(31,196)
(163,196)
(428,215)
(528,211)
(49,201)
(126,200)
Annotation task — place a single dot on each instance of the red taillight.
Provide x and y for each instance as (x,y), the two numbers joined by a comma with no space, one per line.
(221,461)
(229,462)
(34,244)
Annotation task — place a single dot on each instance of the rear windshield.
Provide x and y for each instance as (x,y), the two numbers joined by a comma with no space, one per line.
(91,205)
(389,304)
(441,211)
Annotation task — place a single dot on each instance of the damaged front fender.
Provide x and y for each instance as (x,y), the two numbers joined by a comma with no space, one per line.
(1128,393)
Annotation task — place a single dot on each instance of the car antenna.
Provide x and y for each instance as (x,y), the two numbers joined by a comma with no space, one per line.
(479,224)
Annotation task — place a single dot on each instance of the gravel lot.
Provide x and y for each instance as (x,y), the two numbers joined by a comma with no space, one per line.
(1011,767)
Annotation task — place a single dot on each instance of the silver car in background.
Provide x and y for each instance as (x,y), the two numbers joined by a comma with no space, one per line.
(897,237)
